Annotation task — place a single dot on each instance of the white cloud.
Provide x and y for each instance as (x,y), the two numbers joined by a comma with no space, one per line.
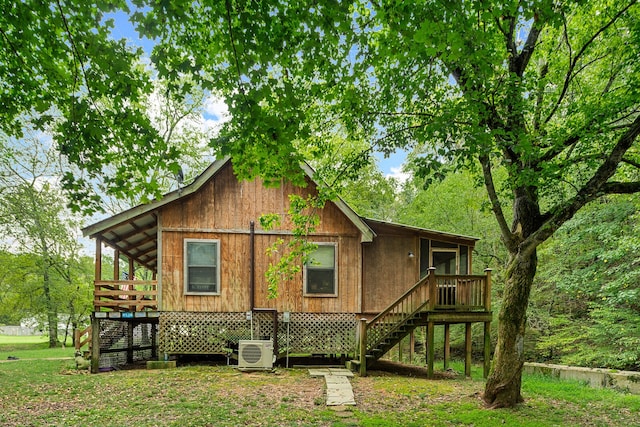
(398,174)
(216,109)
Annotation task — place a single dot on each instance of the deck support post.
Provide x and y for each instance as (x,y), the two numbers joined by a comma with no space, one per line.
(447,345)
(412,343)
(430,349)
(400,350)
(487,349)
(130,326)
(487,291)
(362,347)
(433,291)
(467,350)
(154,341)
(95,344)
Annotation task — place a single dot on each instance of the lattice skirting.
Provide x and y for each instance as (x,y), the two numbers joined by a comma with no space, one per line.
(218,333)
(123,341)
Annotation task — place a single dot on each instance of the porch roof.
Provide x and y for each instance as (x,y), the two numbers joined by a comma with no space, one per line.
(391,228)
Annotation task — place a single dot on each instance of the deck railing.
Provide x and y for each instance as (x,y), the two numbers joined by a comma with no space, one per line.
(82,337)
(431,293)
(466,292)
(125,295)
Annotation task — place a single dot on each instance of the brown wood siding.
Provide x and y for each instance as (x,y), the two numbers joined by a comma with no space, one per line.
(388,270)
(223,210)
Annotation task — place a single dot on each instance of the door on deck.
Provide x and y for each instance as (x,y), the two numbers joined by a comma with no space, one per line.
(448,259)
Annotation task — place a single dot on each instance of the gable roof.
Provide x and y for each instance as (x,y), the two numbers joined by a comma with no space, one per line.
(134,231)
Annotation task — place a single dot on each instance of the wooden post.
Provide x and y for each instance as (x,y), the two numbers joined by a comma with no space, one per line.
(487,349)
(487,290)
(363,347)
(116,264)
(400,350)
(130,327)
(430,349)
(433,291)
(412,344)
(98,266)
(447,345)
(154,343)
(131,286)
(467,350)
(95,344)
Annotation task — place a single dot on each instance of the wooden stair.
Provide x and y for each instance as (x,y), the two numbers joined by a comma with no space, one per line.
(442,299)
(401,330)
(383,332)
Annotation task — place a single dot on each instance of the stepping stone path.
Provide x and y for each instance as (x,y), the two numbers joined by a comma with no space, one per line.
(339,391)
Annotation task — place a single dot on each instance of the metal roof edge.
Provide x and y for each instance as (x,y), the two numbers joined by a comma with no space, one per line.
(426,230)
(172,196)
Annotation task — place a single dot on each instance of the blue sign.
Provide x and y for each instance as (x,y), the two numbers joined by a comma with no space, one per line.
(127,315)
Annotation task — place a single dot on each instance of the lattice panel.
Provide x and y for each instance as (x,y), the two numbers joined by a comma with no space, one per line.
(209,333)
(216,333)
(318,333)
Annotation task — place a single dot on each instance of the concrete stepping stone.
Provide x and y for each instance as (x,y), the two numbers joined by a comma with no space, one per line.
(339,390)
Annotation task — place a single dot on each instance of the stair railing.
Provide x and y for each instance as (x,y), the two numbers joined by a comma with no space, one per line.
(393,317)
(83,337)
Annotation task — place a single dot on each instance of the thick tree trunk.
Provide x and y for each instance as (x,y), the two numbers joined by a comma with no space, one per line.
(503,387)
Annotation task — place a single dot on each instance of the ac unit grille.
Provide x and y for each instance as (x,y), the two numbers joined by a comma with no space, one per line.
(251,353)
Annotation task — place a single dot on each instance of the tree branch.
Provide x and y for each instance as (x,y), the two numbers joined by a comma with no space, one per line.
(227,4)
(495,201)
(76,52)
(384,113)
(13,48)
(593,189)
(573,62)
(621,187)
(631,162)
(519,64)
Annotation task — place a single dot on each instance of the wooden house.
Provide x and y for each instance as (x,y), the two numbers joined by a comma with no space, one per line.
(204,256)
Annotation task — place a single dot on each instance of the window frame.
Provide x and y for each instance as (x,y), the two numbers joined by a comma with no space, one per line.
(186,267)
(305,289)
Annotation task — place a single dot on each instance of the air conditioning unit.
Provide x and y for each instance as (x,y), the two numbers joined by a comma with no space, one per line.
(255,354)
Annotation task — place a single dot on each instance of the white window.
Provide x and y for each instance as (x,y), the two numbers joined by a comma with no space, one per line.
(201,267)
(320,271)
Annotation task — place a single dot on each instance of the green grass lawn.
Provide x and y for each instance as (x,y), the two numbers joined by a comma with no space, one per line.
(32,347)
(52,392)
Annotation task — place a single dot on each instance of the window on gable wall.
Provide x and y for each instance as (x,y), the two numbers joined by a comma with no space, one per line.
(201,267)
(320,272)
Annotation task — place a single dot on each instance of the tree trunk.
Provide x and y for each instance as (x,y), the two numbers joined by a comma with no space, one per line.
(504,383)
(52,314)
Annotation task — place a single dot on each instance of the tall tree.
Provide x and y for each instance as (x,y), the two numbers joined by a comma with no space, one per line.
(34,218)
